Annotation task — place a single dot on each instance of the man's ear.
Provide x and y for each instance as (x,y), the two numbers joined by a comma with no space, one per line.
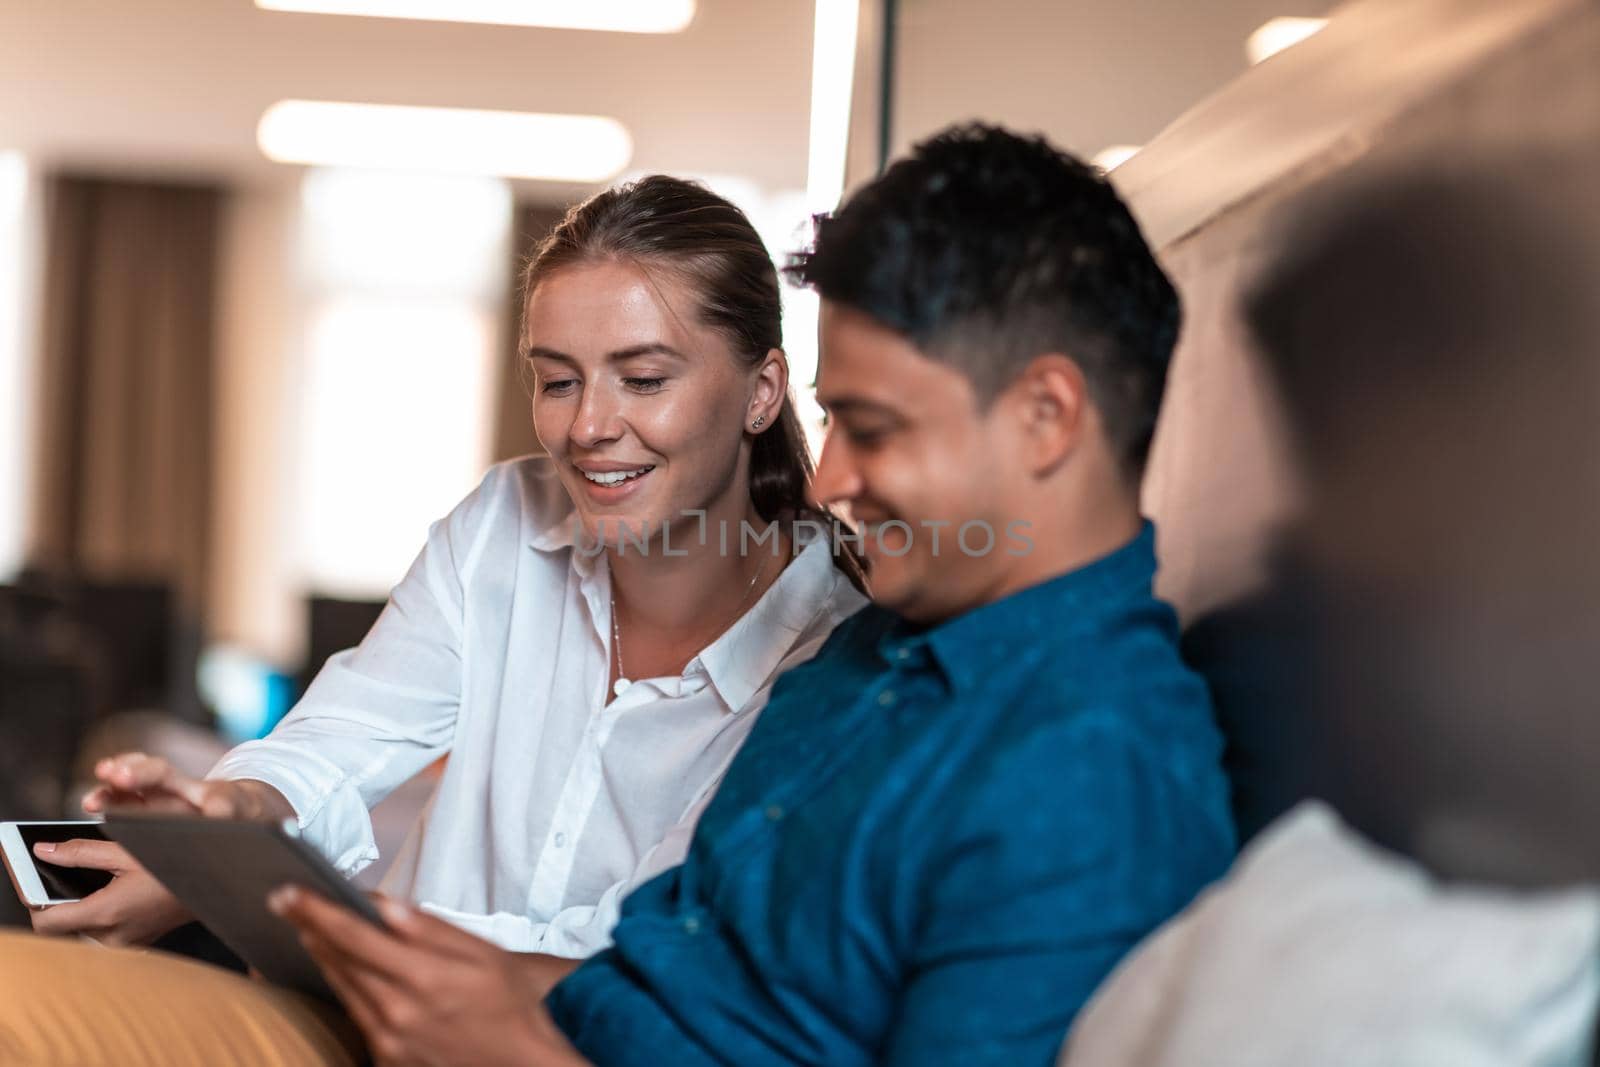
(1050,400)
(771,387)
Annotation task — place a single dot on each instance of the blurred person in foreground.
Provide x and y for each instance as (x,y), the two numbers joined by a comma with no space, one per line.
(578,636)
(950,825)
(1433,611)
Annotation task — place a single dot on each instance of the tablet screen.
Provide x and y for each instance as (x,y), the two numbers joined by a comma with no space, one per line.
(63,883)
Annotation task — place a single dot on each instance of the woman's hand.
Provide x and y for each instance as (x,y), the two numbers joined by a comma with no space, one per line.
(134,779)
(426,994)
(135,909)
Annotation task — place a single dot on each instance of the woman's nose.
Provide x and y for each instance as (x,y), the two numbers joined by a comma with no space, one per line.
(598,418)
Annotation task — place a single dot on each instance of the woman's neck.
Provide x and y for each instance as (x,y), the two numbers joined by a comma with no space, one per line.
(669,607)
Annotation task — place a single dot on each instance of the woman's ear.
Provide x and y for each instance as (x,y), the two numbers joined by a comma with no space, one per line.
(771,388)
(1051,399)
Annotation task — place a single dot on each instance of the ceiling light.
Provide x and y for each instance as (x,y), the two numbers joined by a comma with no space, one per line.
(509,144)
(1110,158)
(833,63)
(1274,35)
(622,16)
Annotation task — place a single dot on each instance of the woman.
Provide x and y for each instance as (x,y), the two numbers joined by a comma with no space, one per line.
(589,635)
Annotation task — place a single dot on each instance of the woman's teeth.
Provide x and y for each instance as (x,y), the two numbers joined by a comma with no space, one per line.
(615,477)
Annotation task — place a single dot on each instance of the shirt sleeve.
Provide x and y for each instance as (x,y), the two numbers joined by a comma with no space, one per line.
(377,714)
(1044,893)
(580,932)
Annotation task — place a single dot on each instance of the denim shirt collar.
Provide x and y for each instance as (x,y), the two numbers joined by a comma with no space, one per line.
(1007,633)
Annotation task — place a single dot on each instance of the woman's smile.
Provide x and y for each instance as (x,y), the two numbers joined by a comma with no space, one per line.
(607,483)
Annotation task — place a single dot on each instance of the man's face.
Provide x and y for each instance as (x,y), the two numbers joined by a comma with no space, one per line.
(919,466)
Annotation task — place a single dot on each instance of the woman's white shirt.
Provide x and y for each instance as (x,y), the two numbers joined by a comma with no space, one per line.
(495,649)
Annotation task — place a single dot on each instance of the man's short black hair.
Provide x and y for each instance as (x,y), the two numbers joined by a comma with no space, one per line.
(986,249)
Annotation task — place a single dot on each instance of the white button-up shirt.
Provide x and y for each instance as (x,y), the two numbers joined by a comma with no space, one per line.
(494,648)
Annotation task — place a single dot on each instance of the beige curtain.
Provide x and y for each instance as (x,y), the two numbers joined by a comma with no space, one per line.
(127,346)
(513,432)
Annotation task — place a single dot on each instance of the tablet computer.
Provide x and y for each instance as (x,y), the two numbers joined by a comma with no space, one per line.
(223,869)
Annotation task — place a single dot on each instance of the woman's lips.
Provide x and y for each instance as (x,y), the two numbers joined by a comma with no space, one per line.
(613,494)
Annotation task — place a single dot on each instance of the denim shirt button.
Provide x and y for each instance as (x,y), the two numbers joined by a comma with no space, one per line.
(886,697)
(691,925)
(774,812)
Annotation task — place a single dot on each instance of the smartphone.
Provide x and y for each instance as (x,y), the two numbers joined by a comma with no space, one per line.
(41,884)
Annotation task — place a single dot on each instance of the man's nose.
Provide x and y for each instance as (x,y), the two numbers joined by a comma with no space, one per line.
(837,480)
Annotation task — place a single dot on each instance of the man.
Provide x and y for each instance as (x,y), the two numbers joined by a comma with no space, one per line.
(948,827)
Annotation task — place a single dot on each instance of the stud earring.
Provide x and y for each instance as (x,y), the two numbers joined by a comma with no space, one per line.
(761,420)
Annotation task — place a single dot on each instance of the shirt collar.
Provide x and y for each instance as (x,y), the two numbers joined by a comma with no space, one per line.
(560,533)
(747,655)
(1024,626)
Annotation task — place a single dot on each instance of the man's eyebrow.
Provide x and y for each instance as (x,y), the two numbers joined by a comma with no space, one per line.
(648,349)
(846,405)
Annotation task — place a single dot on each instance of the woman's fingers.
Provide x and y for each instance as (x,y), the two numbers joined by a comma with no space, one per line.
(136,772)
(134,909)
(83,852)
(132,771)
(134,777)
(75,918)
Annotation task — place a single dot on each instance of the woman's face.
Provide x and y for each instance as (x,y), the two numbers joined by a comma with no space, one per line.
(643,408)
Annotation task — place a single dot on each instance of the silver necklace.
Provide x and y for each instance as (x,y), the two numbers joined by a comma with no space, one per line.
(622,683)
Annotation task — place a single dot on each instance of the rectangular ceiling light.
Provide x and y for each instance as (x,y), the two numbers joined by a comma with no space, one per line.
(1275,35)
(507,144)
(621,16)
(833,64)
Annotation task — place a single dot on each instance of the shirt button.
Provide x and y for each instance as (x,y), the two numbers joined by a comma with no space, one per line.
(886,698)
(902,653)
(691,925)
(774,812)
(561,840)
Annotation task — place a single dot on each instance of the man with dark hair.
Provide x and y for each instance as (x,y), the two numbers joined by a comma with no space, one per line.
(949,826)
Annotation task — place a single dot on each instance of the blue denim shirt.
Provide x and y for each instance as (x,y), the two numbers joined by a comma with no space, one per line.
(934,845)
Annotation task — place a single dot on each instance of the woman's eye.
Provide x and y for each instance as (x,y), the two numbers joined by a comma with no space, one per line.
(643,385)
(558,386)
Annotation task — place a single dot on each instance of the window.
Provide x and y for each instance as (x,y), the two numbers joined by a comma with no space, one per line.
(405,280)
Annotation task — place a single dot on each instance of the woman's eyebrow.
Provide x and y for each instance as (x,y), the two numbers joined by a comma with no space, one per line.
(539,352)
(653,348)
(648,349)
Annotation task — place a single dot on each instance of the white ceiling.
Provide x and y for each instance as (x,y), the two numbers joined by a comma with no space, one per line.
(164,86)
(1087,73)
(178,85)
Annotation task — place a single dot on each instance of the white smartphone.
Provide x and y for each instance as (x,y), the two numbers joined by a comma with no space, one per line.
(41,884)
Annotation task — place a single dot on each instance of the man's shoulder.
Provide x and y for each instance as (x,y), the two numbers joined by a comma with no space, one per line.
(1138,696)
(1130,723)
